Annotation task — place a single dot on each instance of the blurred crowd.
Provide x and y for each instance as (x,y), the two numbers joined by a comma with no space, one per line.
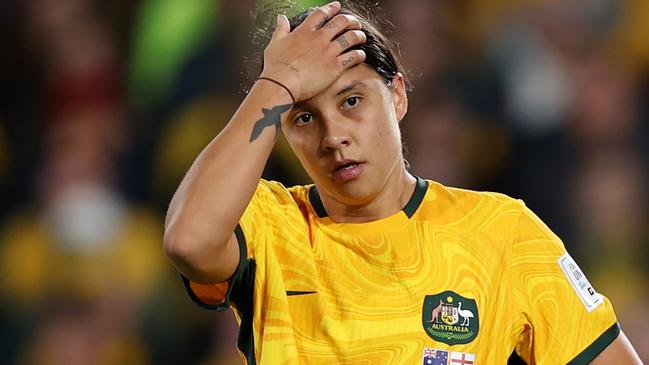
(104,105)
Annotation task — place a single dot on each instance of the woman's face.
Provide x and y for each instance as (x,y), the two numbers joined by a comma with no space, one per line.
(347,137)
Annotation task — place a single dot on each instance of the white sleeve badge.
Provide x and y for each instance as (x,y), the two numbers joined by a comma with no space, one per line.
(577,279)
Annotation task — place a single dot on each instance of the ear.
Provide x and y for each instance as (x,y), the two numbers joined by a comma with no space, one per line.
(399,96)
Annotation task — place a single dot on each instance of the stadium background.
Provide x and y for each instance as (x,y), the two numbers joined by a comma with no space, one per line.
(104,104)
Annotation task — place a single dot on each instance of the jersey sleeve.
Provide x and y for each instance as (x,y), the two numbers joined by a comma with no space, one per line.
(262,217)
(566,320)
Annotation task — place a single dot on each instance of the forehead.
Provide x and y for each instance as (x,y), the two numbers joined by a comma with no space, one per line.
(359,76)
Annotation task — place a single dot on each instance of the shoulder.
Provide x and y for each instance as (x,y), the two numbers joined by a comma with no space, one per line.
(457,194)
(454,203)
(277,195)
(277,190)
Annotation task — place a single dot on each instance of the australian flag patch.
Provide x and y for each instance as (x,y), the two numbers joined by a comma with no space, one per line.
(435,357)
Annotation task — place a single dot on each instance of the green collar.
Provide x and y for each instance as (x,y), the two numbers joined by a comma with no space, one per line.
(409,209)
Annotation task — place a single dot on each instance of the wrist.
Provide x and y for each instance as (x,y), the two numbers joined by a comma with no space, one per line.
(278,84)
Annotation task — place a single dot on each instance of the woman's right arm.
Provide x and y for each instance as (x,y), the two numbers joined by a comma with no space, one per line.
(216,190)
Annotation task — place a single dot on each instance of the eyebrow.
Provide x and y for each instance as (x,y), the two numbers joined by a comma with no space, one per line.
(352,86)
(302,105)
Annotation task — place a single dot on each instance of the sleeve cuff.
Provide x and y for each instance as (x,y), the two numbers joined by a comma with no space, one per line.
(235,281)
(597,346)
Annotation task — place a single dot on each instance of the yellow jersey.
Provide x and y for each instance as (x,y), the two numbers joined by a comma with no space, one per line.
(457,277)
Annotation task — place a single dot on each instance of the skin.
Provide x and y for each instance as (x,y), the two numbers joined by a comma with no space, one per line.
(620,351)
(205,210)
(342,110)
(356,118)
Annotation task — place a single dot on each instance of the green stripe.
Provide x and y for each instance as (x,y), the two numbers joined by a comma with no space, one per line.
(236,278)
(244,305)
(239,293)
(243,299)
(416,198)
(597,346)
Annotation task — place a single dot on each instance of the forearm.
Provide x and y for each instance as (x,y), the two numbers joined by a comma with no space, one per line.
(220,183)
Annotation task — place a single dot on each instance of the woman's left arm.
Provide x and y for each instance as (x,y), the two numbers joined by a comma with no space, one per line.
(620,351)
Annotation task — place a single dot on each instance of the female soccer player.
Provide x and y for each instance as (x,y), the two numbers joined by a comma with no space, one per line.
(370,264)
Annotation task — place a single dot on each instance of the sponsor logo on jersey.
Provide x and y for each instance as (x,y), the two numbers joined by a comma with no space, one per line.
(441,357)
(450,318)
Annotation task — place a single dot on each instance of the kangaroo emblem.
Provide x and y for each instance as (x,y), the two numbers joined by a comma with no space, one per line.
(435,313)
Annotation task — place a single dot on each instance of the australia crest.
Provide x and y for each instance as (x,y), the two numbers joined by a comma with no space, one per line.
(450,318)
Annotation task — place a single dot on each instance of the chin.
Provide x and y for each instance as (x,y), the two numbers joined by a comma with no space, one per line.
(354,192)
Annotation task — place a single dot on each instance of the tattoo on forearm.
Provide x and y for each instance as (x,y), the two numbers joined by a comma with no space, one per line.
(272,117)
(343,42)
(348,61)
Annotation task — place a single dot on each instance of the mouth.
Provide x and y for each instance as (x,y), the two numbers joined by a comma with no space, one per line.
(347,169)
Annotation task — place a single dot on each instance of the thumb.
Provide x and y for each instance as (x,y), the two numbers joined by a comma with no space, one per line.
(282,28)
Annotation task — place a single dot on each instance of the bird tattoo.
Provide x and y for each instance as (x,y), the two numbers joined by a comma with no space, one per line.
(271,118)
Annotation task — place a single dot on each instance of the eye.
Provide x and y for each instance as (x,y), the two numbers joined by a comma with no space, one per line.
(351,102)
(303,119)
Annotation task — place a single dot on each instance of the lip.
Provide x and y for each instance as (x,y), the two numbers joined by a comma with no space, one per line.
(347,169)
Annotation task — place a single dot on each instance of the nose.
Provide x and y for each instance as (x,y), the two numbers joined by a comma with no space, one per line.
(335,135)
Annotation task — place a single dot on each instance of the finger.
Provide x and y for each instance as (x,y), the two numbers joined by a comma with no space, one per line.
(351,58)
(349,39)
(320,15)
(339,24)
(282,28)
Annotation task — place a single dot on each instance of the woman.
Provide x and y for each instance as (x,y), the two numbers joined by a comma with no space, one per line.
(370,264)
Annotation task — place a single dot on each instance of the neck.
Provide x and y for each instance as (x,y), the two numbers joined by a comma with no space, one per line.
(390,198)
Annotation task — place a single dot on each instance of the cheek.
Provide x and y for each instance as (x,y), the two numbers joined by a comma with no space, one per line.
(389,143)
(388,134)
(302,147)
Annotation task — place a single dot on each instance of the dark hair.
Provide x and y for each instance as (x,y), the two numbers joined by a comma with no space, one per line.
(380,53)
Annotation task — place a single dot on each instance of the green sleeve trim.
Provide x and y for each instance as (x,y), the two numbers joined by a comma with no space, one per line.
(235,281)
(416,198)
(244,304)
(597,346)
(240,293)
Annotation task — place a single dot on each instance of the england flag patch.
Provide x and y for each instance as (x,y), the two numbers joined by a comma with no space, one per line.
(462,358)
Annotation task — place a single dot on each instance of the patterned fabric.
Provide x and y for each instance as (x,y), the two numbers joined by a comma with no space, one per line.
(324,292)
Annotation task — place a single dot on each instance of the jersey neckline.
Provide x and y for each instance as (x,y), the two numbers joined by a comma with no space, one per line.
(421,186)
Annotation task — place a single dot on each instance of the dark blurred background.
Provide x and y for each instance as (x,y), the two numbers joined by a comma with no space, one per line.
(104,105)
